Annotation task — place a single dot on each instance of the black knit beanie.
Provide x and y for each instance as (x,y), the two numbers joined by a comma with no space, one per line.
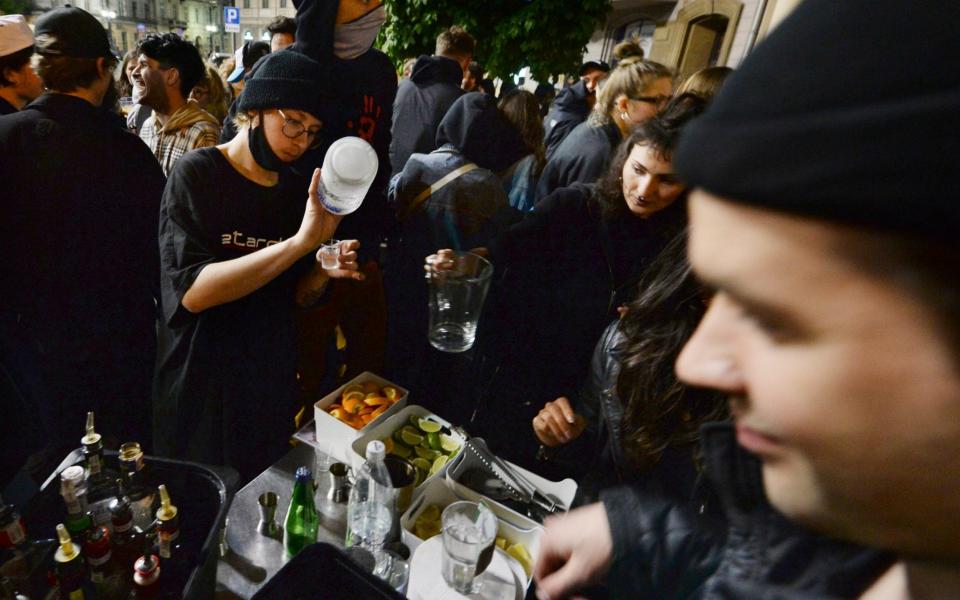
(285,79)
(849,111)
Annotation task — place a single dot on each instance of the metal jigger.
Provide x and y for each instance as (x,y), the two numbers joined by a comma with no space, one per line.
(267,502)
(339,490)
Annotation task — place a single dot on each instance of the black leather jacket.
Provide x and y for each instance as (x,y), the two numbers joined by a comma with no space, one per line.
(667,550)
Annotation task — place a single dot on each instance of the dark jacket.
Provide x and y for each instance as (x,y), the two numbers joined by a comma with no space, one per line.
(6,108)
(581,158)
(422,101)
(560,275)
(363,91)
(665,550)
(568,110)
(465,213)
(596,458)
(80,274)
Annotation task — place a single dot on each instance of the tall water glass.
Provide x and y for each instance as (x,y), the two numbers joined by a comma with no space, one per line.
(469,532)
(458,287)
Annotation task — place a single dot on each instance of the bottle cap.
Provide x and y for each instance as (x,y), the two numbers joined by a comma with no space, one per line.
(376,450)
(92,437)
(67,551)
(304,474)
(167,510)
(72,475)
(146,570)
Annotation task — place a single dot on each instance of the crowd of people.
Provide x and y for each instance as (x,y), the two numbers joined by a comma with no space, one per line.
(724,304)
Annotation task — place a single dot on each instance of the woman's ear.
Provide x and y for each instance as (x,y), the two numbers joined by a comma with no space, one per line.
(622,103)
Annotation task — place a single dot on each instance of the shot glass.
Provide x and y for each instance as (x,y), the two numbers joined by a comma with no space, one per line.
(469,532)
(330,254)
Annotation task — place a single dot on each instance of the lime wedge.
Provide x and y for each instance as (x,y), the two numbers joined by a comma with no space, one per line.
(421,463)
(430,513)
(449,444)
(426,454)
(402,451)
(428,426)
(410,437)
(434,440)
(438,464)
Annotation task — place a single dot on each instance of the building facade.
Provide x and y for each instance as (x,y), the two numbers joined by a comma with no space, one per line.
(688,35)
(255,15)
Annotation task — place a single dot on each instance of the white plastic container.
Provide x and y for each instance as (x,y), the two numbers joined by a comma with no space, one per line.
(514,528)
(385,428)
(333,436)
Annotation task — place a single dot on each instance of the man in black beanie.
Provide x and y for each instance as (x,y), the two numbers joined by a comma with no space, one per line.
(826,220)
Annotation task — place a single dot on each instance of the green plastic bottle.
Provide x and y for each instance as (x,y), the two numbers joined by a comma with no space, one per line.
(300,527)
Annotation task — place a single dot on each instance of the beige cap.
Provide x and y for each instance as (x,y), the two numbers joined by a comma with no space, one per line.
(15,34)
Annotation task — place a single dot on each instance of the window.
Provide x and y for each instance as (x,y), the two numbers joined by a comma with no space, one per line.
(146,8)
(123,37)
(246,3)
(196,16)
(266,4)
(283,3)
(136,9)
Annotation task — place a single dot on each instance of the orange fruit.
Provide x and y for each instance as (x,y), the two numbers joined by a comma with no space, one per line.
(353,387)
(355,394)
(352,405)
(379,411)
(366,410)
(371,388)
(339,413)
(366,418)
(377,401)
(391,392)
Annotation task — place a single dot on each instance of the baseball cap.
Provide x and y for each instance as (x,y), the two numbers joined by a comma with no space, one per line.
(15,34)
(245,57)
(76,33)
(594,65)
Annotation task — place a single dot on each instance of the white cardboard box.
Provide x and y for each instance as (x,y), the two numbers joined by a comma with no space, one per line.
(334,436)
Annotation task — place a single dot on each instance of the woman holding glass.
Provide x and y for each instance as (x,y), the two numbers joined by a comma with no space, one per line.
(237,258)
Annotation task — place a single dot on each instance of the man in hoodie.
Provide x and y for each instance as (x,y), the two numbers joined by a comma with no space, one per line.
(167,69)
(573,105)
(424,98)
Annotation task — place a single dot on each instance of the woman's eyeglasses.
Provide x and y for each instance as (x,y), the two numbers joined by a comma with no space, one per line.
(293,129)
(659,101)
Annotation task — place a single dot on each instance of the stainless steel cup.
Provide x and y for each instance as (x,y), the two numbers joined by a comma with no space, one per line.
(268,526)
(339,485)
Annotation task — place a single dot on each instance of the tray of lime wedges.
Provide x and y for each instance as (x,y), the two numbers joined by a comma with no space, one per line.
(426,440)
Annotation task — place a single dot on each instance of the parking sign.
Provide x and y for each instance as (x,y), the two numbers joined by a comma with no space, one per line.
(231,19)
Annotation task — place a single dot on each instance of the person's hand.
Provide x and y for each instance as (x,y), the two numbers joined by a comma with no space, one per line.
(439,262)
(318,224)
(346,262)
(575,552)
(557,424)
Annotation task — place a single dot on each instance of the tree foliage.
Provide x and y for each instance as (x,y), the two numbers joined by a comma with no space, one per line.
(15,7)
(549,36)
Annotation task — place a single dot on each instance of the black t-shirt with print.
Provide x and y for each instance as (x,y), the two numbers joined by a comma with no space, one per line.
(225,385)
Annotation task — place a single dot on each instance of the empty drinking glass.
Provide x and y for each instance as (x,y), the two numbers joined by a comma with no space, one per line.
(458,288)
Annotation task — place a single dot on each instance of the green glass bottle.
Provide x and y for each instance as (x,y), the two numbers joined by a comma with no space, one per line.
(300,527)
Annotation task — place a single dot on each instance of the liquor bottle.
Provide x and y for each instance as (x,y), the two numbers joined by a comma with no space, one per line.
(73,488)
(13,534)
(100,490)
(98,552)
(71,574)
(138,489)
(300,527)
(369,510)
(146,576)
(173,555)
(126,538)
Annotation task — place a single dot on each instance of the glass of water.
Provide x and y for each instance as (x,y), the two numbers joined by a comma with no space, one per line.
(469,532)
(330,254)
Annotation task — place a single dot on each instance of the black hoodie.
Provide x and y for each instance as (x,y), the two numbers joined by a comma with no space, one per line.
(364,89)
(422,101)
(568,110)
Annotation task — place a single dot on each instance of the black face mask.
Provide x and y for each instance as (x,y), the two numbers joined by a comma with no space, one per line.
(261,150)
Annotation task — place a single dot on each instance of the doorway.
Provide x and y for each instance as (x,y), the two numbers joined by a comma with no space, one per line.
(703,44)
